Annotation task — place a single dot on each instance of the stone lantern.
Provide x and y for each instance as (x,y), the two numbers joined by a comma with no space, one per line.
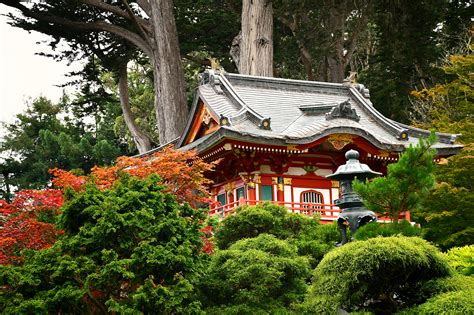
(353,213)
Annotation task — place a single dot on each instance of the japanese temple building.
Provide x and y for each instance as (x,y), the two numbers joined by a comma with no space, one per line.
(278,139)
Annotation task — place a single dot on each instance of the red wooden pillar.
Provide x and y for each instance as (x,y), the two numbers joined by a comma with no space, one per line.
(252,195)
(280,190)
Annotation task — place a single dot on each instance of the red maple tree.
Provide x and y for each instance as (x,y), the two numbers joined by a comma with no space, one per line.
(27,223)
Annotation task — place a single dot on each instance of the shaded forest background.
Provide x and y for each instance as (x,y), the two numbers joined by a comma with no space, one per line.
(416,59)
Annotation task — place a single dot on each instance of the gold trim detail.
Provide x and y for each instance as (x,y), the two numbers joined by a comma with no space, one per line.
(339,141)
(229,187)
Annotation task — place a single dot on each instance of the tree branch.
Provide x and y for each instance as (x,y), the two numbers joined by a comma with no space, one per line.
(119,12)
(135,20)
(83,26)
(145,6)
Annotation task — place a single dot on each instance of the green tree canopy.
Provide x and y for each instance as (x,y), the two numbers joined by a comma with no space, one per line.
(446,213)
(51,135)
(407,182)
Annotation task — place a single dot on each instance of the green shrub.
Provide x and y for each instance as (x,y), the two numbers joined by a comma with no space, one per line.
(461,259)
(250,221)
(129,249)
(312,238)
(316,241)
(255,276)
(374,275)
(457,302)
(442,285)
(375,229)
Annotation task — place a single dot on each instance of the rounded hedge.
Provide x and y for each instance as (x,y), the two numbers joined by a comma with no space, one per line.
(251,221)
(380,274)
(257,275)
(456,302)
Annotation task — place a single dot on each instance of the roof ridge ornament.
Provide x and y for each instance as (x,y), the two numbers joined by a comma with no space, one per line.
(343,110)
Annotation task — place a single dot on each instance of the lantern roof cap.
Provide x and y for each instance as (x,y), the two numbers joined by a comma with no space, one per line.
(353,168)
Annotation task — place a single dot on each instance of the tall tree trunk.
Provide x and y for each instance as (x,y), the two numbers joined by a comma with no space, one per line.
(170,93)
(256,46)
(141,140)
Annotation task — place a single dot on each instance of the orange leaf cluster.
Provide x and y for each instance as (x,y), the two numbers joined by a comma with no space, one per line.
(64,179)
(182,172)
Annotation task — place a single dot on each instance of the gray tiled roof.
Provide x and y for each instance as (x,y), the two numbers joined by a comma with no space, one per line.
(297,111)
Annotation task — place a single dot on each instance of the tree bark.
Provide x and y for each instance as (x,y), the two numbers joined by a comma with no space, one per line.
(256,47)
(170,93)
(141,140)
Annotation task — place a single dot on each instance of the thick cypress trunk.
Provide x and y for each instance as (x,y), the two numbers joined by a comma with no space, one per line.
(256,46)
(142,141)
(170,93)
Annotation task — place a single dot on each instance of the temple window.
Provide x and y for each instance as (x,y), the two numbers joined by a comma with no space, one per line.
(312,196)
(221,199)
(240,193)
(266,192)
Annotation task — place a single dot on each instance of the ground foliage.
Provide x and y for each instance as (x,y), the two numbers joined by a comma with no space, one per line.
(379,275)
(127,249)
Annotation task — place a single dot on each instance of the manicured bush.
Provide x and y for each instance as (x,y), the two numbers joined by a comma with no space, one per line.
(380,274)
(255,276)
(442,285)
(312,238)
(315,241)
(375,229)
(457,302)
(461,259)
(250,221)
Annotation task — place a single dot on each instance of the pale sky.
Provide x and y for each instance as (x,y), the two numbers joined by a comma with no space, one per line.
(23,74)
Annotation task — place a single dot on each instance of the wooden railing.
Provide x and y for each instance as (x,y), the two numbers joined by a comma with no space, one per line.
(327,212)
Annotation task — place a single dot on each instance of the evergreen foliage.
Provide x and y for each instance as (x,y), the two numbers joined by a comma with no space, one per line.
(129,249)
(380,274)
(457,302)
(261,275)
(447,213)
(461,259)
(407,182)
(375,229)
(50,135)
(311,238)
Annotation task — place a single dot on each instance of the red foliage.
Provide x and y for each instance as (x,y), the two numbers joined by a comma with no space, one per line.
(20,227)
(182,172)
(207,232)
(63,179)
